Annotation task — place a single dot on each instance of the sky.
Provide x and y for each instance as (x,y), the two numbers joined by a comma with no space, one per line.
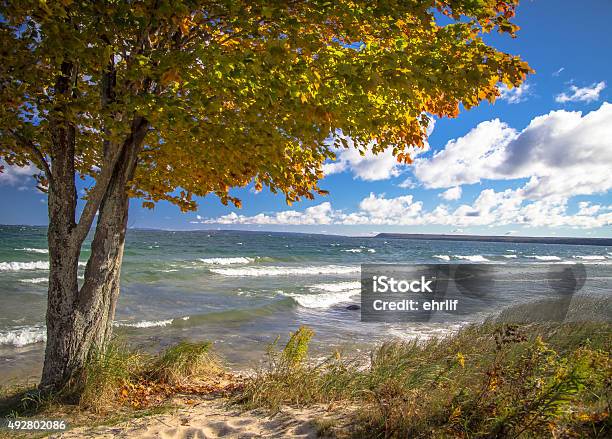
(538,162)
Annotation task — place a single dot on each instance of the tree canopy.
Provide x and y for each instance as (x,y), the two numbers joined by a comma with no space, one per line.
(233,91)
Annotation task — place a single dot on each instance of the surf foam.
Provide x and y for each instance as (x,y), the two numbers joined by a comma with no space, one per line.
(472,258)
(227,261)
(145,323)
(285,271)
(442,257)
(33,250)
(23,335)
(36,280)
(18,266)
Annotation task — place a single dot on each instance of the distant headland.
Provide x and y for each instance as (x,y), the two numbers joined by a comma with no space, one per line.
(505,238)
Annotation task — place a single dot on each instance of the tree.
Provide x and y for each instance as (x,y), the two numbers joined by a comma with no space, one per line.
(167,100)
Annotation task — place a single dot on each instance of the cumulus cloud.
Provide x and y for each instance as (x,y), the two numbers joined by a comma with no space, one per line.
(468,159)
(451,194)
(407,184)
(516,94)
(372,167)
(490,208)
(562,154)
(369,167)
(581,94)
(15,175)
(559,155)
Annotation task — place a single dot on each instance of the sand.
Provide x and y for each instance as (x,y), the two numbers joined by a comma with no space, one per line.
(210,418)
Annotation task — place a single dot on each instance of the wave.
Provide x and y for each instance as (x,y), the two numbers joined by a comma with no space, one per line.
(590,257)
(33,250)
(23,335)
(326,295)
(472,258)
(145,323)
(359,250)
(17,266)
(285,271)
(544,257)
(36,280)
(443,257)
(510,256)
(35,265)
(227,261)
(337,286)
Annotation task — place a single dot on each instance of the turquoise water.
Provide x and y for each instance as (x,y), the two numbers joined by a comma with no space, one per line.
(240,289)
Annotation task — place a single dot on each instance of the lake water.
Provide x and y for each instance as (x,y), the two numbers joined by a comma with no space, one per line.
(239,289)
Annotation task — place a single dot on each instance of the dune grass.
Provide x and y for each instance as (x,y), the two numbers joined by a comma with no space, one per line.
(119,377)
(489,380)
(486,381)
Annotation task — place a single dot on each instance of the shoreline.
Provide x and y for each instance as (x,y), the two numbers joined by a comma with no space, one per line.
(294,395)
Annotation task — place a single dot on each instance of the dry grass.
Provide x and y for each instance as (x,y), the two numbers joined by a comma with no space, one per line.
(486,381)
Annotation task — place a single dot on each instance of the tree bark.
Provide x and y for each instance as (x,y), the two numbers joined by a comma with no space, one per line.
(79,321)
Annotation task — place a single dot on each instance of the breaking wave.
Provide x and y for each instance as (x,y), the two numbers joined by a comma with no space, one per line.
(591,257)
(33,250)
(145,323)
(544,257)
(442,257)
(23,335)
(472,258)
(36,280)
(17,266)
(285,271)
(227,261)
(326,295)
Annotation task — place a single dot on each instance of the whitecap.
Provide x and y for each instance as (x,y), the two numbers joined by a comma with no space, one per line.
(590,257)
(352,250)
(23,335)
(323,300)
(227,261)
(337,286)
(544,257)
(33,250)
(286,271)
(145,323)
(443,257)
(36,280)
(17,266)
(472,258)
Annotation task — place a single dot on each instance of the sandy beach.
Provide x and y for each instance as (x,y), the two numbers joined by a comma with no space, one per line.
(210,418)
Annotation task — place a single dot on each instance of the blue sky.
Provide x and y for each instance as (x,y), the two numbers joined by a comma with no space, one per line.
(537,162)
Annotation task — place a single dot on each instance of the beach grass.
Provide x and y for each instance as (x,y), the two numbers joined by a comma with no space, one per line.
(120,377)
(488,380)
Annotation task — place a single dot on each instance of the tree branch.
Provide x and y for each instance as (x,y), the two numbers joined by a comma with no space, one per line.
(96,195)
(29,145)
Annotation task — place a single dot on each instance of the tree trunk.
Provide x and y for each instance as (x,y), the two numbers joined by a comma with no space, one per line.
(79,321)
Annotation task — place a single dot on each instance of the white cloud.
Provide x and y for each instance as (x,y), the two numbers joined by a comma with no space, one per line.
(372,167)
(369,167)
(516,94)
(451,194)
(315,215)
(467,159)
(559,155)
(407,184)
(562,154)
(15,175)
(558,72)
(582,94)
(490,208)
